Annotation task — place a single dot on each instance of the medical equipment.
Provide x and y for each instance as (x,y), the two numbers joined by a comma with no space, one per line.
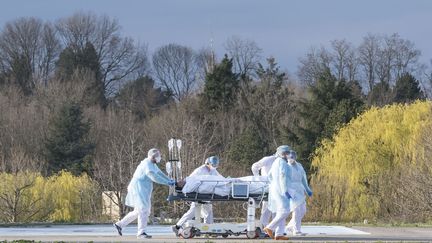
(253,191)
(173,166)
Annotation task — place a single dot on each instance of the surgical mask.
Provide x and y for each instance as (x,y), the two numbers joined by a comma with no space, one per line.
(291,161)
(158,159)
(210,166)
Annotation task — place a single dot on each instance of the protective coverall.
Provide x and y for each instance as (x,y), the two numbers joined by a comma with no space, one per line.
(264,165)
(206,209)
(139,193)
(279,201)
(297,187)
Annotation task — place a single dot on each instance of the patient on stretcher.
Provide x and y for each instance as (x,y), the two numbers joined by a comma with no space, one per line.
(219,185)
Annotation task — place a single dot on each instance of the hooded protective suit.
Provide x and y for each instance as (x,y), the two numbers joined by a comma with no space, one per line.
(298,185)
(140,190)
(297,188)
(141,186)
(207,209)
(264,166)
(278,188)
(279,198)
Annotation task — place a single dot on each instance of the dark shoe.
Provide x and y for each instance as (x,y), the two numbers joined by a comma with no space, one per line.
(119,229)
(175,229)
(144,236)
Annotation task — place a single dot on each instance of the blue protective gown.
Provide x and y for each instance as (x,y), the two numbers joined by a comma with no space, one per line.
(297,185)
(279,180)
(141,186)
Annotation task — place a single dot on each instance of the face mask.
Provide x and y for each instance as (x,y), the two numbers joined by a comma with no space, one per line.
(158,159)
(291,161)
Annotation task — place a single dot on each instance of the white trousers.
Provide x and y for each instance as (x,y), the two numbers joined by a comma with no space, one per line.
(266,214)
(294,225)
(142,217)
(206,213)
(277,225)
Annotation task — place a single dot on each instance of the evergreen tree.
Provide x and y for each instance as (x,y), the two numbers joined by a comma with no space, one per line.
(67,147)
(268,103)
(221,86)
(21,74)
(330,105)
(247,148)
(407,89)
(72,60)
(380,95)
(142,98)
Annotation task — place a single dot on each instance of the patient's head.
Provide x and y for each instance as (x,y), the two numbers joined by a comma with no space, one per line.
(181,183)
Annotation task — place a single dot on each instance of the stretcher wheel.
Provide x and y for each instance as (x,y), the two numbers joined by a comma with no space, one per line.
(254,234)
(251,234)
(224,235)
(187,233)
(258,232)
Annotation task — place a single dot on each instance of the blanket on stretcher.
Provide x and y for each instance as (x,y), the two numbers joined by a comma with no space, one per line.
(209,184)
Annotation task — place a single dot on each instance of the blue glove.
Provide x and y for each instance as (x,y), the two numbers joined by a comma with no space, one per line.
(287,195)
(171,183)
(309,193)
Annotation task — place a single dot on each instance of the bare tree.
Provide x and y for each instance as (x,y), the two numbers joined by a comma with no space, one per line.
(245,54)
(17,201)
(343,59)
(313,65)
(23,125)
(368,57)
(119,57)
(176,69)
(385,58)
(119,149)
(352,65)
(28,49)
(407,56)
(49,52)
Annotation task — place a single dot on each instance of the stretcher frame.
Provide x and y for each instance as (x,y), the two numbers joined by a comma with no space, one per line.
(195,227)
(209,197)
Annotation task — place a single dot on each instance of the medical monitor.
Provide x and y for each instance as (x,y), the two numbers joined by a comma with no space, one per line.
(240,190)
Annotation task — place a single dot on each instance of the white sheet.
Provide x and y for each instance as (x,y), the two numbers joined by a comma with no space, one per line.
(221,186)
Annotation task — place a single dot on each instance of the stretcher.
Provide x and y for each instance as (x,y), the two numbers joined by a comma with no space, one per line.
(239,192)
(222,190)
(253,191)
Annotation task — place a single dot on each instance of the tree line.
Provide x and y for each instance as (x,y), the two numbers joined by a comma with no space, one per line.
(77,95)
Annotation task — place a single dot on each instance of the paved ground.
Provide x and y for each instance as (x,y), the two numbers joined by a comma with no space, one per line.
(106,233)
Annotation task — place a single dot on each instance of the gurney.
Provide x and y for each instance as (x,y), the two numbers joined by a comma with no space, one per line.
(206,189)
(214,188)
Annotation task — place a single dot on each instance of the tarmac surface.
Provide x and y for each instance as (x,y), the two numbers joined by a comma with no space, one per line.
(314,233)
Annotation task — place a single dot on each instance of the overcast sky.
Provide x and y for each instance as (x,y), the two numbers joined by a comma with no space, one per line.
(282,28)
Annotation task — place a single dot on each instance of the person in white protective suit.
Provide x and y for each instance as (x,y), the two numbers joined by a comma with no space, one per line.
(208,168)
(297,189)
(140,190)
(279,198)
(263,166)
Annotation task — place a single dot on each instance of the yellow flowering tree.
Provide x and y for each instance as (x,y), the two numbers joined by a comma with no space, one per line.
(30,197)
(357,170)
